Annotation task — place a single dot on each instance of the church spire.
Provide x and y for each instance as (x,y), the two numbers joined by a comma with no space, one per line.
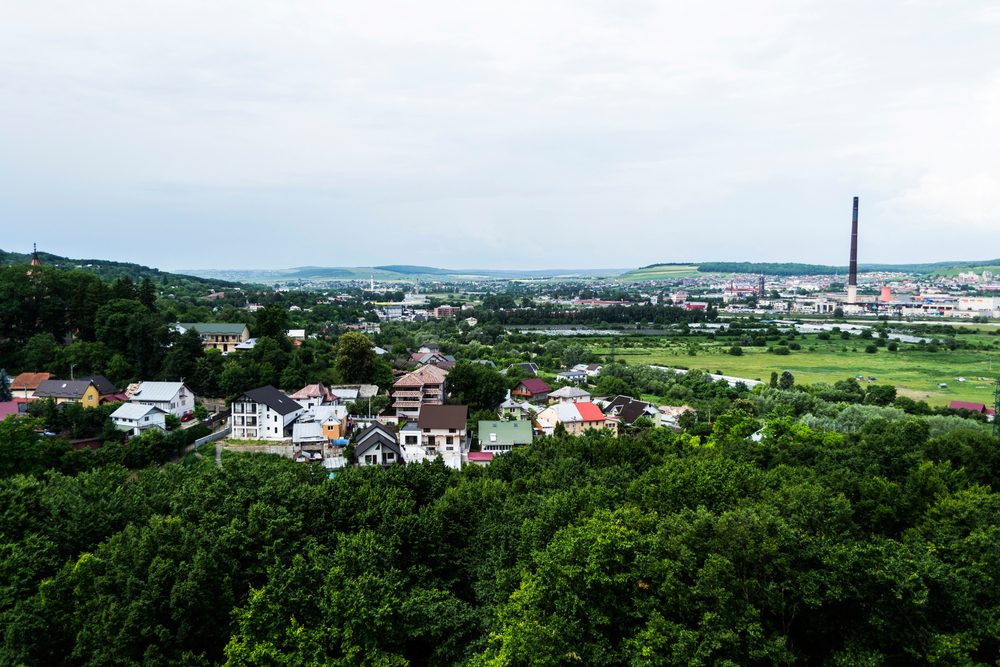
(34,255)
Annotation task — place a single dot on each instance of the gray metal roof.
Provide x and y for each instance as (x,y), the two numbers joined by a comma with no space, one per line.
(134,411)
(158,392)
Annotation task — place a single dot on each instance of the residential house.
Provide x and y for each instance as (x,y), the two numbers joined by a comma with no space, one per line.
(569,395)
(572,375)
(516,409)
(312,395)
(297,336)
(628,410)
(263,414)
(25,384)
(575,418)
(172,397)
(592,370)
(88,392)
(529,368)
(377,445)
(503,436)
(422,387)
(972,407)
(441,430)
(222,336)
(443,361)
(531,389)
(134,418)
(12,408)
(482,459)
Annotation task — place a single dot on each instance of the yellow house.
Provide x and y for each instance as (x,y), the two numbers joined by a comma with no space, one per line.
(88,392)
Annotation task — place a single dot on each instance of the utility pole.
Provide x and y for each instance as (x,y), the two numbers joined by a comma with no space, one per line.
(71,367)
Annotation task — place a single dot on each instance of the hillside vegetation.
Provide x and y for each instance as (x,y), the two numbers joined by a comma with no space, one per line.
(110,271)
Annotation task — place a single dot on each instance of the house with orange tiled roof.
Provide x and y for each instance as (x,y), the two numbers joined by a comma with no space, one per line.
(25,384)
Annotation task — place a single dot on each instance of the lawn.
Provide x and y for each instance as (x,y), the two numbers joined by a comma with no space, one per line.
(663,272)
(914,373)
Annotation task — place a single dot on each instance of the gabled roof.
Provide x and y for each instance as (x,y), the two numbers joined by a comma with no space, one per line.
(421,376)
(273,399)
(443,416)
(318,390)
(376,430)
(210,328)
(589,412)
(535,385)
(376,434)
(570,392)
(28,381)
(103,384)
(505,432)
(966,405)
(628,409)
(134,411)
(62,388)
(158,392)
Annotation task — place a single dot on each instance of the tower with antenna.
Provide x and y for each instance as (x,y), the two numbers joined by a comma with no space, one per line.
(35,261)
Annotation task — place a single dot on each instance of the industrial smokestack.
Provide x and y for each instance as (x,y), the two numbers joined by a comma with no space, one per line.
(852,279)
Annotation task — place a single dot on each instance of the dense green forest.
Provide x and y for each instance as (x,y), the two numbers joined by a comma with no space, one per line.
(809,547)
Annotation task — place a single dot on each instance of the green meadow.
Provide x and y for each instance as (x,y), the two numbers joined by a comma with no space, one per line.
(914,372)
(663,272)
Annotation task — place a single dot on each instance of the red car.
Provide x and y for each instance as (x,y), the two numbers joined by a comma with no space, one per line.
(187,416)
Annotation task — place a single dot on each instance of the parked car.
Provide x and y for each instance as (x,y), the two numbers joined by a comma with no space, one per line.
(187,416)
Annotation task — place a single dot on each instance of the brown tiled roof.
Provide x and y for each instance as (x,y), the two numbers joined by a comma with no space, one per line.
(443,416)
(422,376)
(29,381)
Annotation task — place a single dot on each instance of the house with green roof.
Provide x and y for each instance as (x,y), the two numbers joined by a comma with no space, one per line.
(222,336)
(503,436)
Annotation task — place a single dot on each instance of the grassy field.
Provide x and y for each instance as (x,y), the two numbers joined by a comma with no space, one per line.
(914,373)
(663,272)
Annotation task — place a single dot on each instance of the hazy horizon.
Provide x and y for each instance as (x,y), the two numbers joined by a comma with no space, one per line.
(500,134)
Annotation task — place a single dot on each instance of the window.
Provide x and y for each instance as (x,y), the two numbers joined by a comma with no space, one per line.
(450,441)
(390,456)
(371,459)
(411,439)
(453,430)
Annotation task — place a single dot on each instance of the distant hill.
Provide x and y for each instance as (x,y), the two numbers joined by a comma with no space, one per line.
(111,271)
(406,269)
(396,272)
(665,271)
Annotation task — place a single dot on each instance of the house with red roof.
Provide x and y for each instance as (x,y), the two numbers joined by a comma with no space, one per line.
(531,389)
(575,418)
(972,407)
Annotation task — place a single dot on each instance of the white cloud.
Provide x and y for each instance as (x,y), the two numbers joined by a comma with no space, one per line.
(707,130)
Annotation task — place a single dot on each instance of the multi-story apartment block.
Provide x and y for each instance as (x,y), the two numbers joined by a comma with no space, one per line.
(424,386)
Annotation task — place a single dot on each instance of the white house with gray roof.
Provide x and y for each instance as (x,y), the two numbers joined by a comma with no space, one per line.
(134,418)
(263,414)
(172,397)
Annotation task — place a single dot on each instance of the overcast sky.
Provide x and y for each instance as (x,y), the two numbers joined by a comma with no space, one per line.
(511,134)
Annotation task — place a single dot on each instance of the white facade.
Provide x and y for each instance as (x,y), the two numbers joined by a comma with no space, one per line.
(171,397)
(256,421)
(134,419)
